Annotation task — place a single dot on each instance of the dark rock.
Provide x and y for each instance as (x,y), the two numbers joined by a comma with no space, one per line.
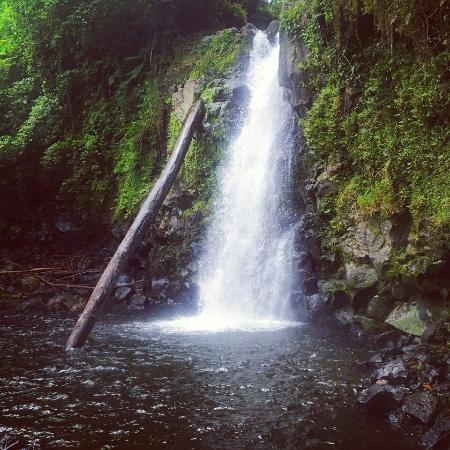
(401,225)
(139,302)
(388,340)
(290,75)
(272,30)
(241,95)
(309,286)
(56,303)
(437,333)
(360,275)
(378,358)
(64,225)
(379,308)
(429,374)
(158,284)
(124,279)
(362,298)
(439,433)
(396,417)
(29,283)
(421,405)
(378,398)
(370,326)
(31,305)
(394,370)
(345,316)
(304,261)
(326,187)
(248,31)
(66,302)
(122,293)
(315,304)
(119,230)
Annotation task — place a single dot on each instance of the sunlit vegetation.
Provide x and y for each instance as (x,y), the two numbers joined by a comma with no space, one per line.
(378,71)
(83,97)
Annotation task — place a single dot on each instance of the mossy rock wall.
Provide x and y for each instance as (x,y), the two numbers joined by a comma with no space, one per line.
(370,85)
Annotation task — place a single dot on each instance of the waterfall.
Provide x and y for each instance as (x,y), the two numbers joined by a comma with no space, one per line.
(246,271)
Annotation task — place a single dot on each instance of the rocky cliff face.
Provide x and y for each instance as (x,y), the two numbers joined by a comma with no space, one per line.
(383,280)
(374,258)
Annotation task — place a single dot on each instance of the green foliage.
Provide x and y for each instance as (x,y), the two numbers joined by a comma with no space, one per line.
(271,9)
(200,206)
(81,95)
(136,153)
(208,95)
(322,125)
(173,131)
(212,56)
(199,166)
(378,74)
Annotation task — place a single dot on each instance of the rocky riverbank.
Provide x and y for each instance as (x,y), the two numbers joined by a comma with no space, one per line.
(384,281)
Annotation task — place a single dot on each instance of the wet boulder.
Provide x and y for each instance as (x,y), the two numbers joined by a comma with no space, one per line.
(394,371)
(345,316)
(158,284)
(122,293)
(413,318)
(378,398)
(123,280)
(272,30)
(422,405)
(315,304)
(379,308)
(438,436)
(369,326)
(139,301)
(66,302)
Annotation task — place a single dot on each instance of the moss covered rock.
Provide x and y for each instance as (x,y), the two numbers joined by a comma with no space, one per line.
(413,318)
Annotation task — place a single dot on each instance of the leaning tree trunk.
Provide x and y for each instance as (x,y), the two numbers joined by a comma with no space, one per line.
(143,220)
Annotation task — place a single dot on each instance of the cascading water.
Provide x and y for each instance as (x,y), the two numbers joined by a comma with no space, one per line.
(246,273)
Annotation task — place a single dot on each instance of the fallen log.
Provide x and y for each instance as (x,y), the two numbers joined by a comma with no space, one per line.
(143,220)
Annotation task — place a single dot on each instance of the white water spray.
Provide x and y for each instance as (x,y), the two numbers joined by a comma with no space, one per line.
(246,273)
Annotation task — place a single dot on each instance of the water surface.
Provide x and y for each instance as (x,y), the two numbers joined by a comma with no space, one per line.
(135,386)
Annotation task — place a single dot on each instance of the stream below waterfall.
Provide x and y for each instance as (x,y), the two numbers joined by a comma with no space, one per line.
(242,374)
(138,387)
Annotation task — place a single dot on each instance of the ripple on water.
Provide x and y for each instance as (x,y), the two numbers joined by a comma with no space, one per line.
(286,388)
